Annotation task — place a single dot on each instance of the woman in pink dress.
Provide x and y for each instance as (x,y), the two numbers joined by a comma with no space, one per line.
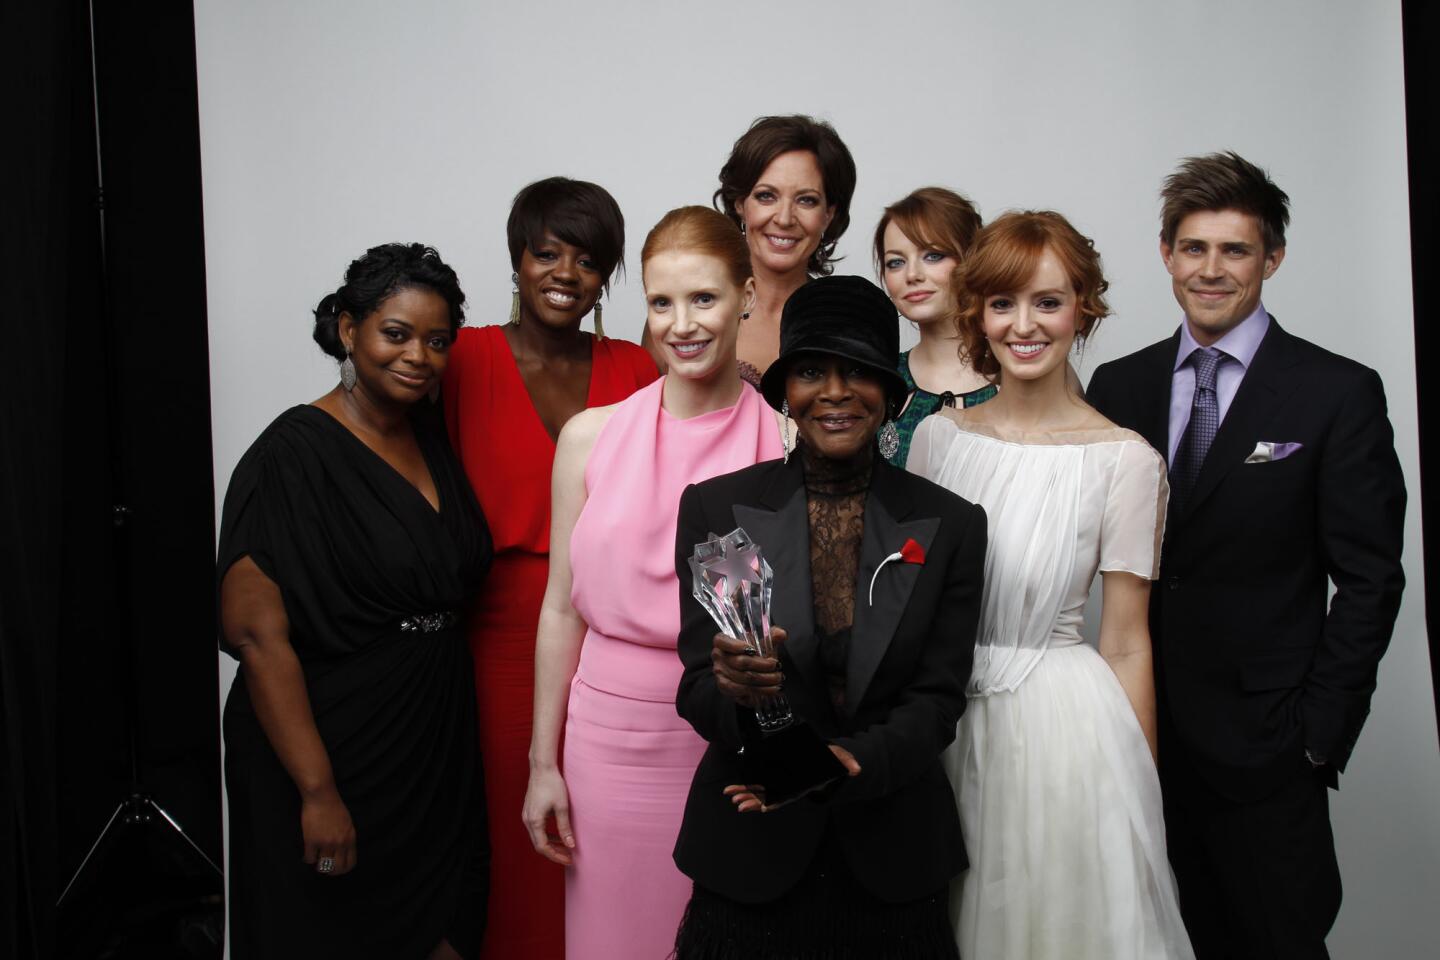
(606,669)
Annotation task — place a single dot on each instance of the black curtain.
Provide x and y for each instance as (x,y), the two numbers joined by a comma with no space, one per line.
(51,277)
(1422,105)
(107,656)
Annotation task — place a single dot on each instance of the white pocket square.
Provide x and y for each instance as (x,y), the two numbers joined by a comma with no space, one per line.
(1267,451)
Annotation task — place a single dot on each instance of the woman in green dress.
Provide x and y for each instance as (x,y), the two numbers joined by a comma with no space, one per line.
(918,243)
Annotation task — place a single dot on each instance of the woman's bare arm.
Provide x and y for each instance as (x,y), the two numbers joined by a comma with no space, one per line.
(252,616)
(557,642)
(1125,644)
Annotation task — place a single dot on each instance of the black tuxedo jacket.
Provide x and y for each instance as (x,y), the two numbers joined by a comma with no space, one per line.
(1251,667)
(910,658)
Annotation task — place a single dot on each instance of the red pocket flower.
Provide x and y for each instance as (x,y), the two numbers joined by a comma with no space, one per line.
(911,552)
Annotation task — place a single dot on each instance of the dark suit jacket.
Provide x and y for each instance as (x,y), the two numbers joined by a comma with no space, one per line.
(910,658)
(1251,669)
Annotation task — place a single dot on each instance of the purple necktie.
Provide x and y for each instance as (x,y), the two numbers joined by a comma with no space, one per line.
(1204,421)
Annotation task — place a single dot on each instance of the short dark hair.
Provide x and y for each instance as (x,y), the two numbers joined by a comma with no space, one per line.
(932,217)
(578,212)
(1224,181)
(767,138)
(377,274)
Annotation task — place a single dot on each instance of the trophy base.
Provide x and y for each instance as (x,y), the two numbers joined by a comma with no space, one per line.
(790,763)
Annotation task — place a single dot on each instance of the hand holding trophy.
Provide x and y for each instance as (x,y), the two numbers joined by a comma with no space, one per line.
(733,582)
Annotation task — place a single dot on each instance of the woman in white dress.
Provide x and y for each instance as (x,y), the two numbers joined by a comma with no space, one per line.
(1054,760)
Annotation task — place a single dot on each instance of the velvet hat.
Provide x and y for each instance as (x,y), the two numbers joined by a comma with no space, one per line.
(849,317)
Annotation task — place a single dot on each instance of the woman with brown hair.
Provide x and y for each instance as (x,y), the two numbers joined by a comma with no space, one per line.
(787,185)
(919,242)
(509,389)
(1053,762)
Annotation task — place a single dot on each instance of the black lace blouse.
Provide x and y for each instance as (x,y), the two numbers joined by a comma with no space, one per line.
(835,491)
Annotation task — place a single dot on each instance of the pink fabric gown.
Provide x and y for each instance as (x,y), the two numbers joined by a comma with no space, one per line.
(628,756)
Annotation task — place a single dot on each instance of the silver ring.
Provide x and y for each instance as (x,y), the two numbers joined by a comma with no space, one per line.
(326,865)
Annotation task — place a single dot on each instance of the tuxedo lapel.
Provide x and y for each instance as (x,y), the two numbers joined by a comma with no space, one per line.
(885,532)
(1264,388)
(781,526)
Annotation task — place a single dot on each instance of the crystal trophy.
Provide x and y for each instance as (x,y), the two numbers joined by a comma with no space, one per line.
(733,582)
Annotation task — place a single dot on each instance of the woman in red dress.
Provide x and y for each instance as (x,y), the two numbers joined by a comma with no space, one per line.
(508,391)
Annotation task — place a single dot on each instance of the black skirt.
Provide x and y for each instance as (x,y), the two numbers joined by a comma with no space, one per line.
(828,915)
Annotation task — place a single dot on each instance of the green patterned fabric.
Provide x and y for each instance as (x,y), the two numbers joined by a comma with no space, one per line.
(922,403)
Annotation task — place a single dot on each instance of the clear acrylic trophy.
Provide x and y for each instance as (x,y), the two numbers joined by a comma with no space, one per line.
(733,583)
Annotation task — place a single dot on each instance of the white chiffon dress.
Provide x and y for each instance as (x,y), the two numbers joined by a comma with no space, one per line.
(1059,797)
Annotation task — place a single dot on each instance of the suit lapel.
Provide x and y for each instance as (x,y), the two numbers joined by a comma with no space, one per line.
(1265,386)
(1152,395)
(781,526)
(885,532)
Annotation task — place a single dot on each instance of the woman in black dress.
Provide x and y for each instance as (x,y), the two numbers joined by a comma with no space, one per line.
(877,585)
(349,545)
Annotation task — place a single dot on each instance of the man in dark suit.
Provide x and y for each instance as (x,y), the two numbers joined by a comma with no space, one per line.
(1284,481)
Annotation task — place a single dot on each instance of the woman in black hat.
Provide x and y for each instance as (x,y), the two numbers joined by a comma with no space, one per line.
(877,584)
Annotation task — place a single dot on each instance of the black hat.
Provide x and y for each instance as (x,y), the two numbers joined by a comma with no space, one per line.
(848,317)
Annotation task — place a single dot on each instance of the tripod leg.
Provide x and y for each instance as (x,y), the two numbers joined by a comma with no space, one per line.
(93,847)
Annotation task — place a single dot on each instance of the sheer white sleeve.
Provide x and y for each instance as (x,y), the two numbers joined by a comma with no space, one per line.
(928,445)
(1134,522)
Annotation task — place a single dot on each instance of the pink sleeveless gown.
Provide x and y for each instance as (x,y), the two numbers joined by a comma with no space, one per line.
(628,756)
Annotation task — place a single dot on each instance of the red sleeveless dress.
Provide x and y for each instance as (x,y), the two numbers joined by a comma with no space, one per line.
(507,454)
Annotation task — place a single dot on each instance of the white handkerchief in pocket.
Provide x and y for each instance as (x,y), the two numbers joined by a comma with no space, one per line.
(1268,451)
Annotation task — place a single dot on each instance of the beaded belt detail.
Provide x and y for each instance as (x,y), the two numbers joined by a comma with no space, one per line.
(429,622)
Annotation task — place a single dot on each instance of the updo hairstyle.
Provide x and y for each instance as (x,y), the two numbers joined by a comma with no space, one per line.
(377,274)
(934,218)
(577,212)
(767,138)
(1004,258)
(700,230)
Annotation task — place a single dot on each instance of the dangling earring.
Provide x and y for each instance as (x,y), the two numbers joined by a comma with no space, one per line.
(347,372)
(889,440)
(599,322)
(785,428)
(515,299)
(742,228)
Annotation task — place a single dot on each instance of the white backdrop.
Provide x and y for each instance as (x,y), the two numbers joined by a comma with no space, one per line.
(330,126)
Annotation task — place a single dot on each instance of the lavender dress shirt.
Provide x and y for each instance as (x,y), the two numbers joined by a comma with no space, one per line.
(1239,346)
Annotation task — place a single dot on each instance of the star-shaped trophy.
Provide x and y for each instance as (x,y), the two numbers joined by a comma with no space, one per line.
(732,581)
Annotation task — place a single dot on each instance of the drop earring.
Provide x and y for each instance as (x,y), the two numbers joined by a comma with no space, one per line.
(515,299)
(889,440)
(347,372)
(599,322)
(785,429)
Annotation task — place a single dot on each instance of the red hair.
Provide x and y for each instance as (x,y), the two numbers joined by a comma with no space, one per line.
(700,230)
(1005,257)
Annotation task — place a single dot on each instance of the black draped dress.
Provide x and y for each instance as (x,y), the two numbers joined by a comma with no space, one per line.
(375,583)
